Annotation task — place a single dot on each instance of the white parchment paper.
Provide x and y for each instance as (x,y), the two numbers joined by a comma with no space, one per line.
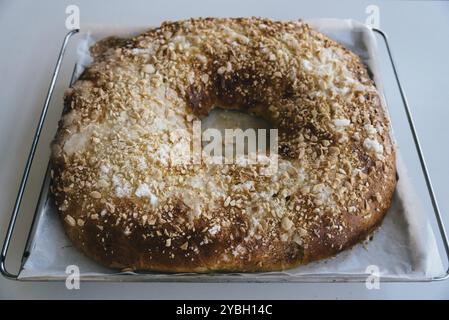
(403,247)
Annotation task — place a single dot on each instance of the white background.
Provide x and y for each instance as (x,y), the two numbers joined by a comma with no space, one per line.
(31,34)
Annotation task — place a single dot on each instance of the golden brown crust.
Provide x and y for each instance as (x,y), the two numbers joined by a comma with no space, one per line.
(126,203)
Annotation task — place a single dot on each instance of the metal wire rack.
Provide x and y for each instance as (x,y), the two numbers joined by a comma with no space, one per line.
(143,276)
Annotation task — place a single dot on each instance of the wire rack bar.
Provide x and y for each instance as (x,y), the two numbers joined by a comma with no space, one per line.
(30,158)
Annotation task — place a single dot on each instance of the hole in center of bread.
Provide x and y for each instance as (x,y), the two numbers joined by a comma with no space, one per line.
(225,120)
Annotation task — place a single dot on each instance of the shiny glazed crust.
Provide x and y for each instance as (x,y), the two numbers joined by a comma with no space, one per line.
(127,201)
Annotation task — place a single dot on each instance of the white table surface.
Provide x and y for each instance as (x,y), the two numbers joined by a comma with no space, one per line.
(31,34)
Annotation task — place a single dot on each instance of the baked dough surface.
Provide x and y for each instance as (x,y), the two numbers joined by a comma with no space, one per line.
(126,201)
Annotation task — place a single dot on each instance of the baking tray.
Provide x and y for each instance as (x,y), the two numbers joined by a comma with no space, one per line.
(44,200)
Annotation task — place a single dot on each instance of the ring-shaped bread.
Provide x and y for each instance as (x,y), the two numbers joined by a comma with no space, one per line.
(127,203)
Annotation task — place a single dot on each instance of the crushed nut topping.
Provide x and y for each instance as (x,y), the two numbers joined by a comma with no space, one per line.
(116,155)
